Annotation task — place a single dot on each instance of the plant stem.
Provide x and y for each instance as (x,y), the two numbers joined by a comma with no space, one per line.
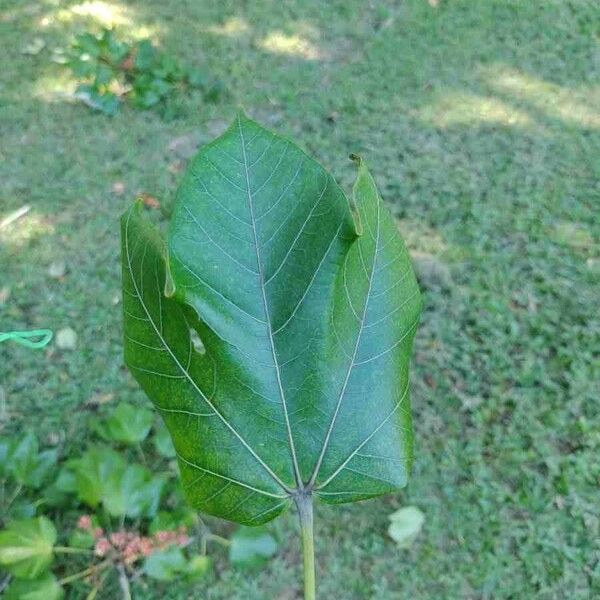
(94,592)
(70,550)
(124,582)
(305,512)
(14,495)
(213,537)
(4,583)
(141,452)
(84,573)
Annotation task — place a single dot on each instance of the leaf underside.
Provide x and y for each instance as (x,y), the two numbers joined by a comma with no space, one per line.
(279,356)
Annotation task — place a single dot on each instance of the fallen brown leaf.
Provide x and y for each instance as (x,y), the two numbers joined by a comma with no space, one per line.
(149,201)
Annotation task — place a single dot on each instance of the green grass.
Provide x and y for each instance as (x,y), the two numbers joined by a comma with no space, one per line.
(481,124)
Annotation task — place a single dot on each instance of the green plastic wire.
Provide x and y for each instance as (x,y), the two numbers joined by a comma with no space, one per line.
(28,338)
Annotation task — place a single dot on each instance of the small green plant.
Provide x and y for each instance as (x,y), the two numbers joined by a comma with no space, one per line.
(273,332)
(112,71)
(405,525)
(88,518)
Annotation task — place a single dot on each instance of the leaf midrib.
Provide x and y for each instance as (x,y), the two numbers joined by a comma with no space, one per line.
(297,474)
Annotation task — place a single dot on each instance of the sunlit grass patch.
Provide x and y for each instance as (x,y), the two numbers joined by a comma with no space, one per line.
(16,233)
(578,105)
(463,108)
(106,14)
(232,27)
(291,45)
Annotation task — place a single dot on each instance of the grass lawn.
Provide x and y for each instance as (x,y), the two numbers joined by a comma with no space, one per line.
(481,123)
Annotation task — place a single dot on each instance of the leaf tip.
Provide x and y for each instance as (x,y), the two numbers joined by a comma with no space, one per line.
(358,161)
(241,114)
(134,208)
(361,165)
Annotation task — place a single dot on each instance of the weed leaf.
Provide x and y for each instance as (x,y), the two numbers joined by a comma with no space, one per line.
(127,424)
(405,525)
(251,547)
(26,547)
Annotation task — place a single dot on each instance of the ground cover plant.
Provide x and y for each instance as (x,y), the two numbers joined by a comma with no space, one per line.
(118,521)
(479,122)
(112,70)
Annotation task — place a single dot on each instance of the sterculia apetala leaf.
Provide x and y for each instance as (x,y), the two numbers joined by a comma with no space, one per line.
(273,329)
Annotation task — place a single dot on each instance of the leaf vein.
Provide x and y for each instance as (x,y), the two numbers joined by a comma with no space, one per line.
(231,479)
(187,375)
(366,440)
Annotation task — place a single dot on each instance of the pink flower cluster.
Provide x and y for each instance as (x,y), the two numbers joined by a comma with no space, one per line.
(129,546)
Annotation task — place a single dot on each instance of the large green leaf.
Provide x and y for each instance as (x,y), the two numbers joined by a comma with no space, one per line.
(26,547)
(278,355)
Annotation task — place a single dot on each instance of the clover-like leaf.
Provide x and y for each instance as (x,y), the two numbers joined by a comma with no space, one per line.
(26,547)
(81,539)
(22,456)
(251,546)
(4,455)
(127,424)
(93,470)
(59,492)
(102,101)
(163,443)
(133,492)
(125,490)
(21,509)
(166,564)
(405,525)
(179,516)
(45,587)
(27,464)
(198,567)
